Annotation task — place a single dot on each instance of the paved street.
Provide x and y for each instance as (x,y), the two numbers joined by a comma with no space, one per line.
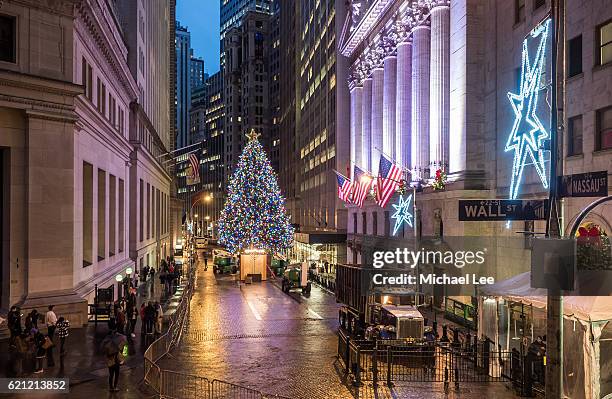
(257,336)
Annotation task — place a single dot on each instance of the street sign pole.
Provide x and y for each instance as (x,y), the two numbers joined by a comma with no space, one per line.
(554,308)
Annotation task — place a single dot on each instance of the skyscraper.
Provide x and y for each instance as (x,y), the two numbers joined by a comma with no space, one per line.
(246,79)
(232,12)
(183,84)
(196,71)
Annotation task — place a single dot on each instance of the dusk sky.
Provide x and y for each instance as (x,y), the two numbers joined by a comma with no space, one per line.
(202,19)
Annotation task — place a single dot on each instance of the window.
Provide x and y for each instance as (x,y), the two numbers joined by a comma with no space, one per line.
(112,214)
(101,97)
(121,215)
(8,44)
(574,56)
(87,214)
(148,211)
(141,210)
(604,128)
(604,39)
(574,139)
(538,3)
(101,214)
(86,78)
(364,223)
(519,11)
(374,223)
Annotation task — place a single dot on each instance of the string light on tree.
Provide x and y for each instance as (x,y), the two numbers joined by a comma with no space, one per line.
(254,215)
(528,134)
(403,213)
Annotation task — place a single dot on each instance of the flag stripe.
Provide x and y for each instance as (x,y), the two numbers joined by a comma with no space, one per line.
(389,175)
(193,159)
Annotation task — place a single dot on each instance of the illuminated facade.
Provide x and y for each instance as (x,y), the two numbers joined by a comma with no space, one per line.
(429,84)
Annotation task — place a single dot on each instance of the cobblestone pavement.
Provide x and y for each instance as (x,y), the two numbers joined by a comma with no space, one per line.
(259,337)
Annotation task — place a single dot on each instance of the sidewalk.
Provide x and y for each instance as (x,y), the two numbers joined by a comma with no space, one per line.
(85,364)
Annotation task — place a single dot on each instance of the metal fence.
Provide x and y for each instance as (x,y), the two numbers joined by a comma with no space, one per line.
(423,362)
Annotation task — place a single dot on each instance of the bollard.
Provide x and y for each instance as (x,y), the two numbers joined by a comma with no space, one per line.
(389,368)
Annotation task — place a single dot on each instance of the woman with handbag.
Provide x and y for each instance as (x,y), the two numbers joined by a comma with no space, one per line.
(40,343)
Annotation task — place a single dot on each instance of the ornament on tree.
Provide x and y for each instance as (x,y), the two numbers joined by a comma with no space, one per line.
(254,214)
(439,182)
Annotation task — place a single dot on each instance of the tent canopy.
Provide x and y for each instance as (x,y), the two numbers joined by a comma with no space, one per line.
(518,289)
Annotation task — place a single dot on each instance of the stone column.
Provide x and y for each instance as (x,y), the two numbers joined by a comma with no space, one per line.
(366,124)
(389,104)
(439,107)
(403,104)
(377,118)
(356,120)
(420,101)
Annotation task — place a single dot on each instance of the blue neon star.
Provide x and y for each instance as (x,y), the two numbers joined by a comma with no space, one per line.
(527,133)
(402,213)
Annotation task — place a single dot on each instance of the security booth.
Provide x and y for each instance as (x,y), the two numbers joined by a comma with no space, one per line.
(254,265)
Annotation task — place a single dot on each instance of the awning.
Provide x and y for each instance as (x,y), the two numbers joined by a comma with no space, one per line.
(518,289)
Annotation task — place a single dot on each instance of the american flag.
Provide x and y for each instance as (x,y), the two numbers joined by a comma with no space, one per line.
(195,165)
(389,176)
(362,185)
(344,188)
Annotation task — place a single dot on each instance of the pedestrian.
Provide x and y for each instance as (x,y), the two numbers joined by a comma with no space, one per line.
(142,319)
(136,278)
(39,342)
(120,317)
(19,353)
(112,346)
(62,332)
(152,273)
(51,321)
(132,318)
(149,318)
(14,321)
(205,263)
(159,314)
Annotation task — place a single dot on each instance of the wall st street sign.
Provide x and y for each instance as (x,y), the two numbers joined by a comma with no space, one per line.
(501,210)
(592,184)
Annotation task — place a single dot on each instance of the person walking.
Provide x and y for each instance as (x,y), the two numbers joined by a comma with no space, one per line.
(62,332)
(120,319)
(136,278)
(39,342)
(149,318)
(112,346)
(51,321)
(152,273)
(14,321)
(159,318)
(143,328)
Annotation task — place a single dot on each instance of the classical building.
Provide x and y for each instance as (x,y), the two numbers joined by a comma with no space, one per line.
(82,135)
(197,73)
(429,85)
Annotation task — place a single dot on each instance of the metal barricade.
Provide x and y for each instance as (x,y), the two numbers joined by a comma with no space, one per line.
(226,390)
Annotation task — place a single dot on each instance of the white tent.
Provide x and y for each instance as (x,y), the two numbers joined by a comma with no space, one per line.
(586,317)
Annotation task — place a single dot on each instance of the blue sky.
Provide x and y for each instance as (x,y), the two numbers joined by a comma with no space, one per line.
(202,19)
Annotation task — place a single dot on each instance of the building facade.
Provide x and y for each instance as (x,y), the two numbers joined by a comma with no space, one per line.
(232,12)
(429,86)
(183,84)
(69,207)
(246,81)
(197,72)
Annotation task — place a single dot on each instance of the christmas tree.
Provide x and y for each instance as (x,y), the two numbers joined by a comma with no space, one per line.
(254,213)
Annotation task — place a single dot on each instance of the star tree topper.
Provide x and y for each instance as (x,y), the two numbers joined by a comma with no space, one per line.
(403,213)
(527,133)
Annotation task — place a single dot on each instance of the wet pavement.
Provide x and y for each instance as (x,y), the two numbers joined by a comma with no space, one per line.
(256,336)
(85,364)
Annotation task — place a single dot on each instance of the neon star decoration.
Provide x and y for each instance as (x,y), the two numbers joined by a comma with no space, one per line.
(528,134)
(403,213)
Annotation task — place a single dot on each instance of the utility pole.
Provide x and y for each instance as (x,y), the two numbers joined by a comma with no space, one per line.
(554,303)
